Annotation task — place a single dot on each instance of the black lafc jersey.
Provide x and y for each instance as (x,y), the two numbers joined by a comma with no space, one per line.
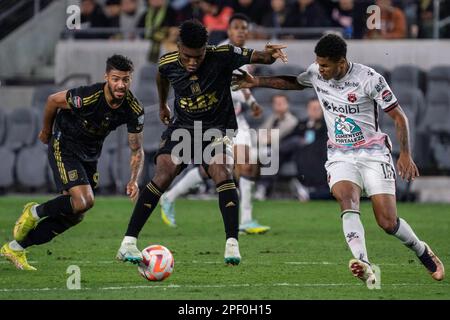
(84,127)
(204,95)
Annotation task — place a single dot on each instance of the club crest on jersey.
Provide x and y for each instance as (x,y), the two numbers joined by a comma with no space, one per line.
(386,96)
(352,97)
(195,88)
(77,102)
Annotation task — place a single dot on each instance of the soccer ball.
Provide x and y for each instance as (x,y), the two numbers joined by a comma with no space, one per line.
(157,263)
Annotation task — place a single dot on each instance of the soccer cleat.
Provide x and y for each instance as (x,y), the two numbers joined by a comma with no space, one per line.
(18,258)
(433,264)
(25,223)
(168,211)
(232,255)
(253,227)
(128,252)
(363,271)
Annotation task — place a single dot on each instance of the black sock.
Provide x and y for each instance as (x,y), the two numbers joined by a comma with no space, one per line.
(55,207)
(147,202)
(49,228)
(229,207)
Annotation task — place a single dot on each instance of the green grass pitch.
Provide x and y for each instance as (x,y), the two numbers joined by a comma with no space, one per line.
(304,256)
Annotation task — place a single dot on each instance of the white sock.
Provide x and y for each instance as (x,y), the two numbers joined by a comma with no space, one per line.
(407,236)
(34,212)
(190,180)
(354,234)
(14,245)
(129,240)
(246,188)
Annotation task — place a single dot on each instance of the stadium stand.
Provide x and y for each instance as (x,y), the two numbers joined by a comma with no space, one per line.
(6,169)
(21,128)
(31,167)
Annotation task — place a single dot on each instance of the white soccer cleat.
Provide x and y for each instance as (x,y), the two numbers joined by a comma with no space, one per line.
(363,271)
(232,255)
(128,252)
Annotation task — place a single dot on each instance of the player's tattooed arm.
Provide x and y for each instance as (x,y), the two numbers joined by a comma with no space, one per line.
(136,163)
(271,53)
(163,92)
(246,80)
(405,164)
(54,102)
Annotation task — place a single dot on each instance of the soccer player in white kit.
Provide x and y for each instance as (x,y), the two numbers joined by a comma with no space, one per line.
(359,153)
(237,35)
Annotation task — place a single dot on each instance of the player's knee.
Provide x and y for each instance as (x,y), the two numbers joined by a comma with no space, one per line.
(163,179)
(347,200)
(82,203)
(389,225)
(220,173)
(246,170)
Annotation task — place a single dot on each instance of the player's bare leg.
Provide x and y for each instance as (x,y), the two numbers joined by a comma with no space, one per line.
(348,195)
(221,171)
(385,210)
(166,170)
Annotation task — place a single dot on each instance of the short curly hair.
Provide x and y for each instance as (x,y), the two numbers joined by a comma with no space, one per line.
(193,34)
(119,62)
(331,46)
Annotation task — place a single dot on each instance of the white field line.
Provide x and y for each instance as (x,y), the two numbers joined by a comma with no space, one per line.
(174,286)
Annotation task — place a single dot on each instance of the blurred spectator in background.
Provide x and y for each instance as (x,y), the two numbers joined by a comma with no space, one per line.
(307,14)
(92,16)
(112,12)
(308,142)
(215,19)
(393,22)
(187,9)
(283,120)
(131,11)
(342,16)
(254,9)
(160,26)
(276,16)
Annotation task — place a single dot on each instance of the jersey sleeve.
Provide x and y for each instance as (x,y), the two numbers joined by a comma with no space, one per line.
(80,97)
(378,89)
(166,61)
(304,78)
(136,122)
(236,55)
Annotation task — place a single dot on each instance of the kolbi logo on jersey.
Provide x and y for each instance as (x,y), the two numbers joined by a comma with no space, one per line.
(346,109)
(386,96)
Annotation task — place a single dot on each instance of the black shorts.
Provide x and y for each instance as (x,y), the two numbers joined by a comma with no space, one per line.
(68,170)
(215,145)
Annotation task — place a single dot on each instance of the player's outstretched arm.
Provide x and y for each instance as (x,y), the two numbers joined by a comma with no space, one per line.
(271,53)
(246,80)
(405,164)
(136,163)
(54,102)
(163,92)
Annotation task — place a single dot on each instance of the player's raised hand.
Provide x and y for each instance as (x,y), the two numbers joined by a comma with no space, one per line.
(164,114)
(133,190)
(407,169)
(45,136)
(243,80)
(276,51)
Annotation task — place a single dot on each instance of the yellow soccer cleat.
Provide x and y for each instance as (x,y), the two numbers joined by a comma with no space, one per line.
(25,223)
(18,258)
(253,227)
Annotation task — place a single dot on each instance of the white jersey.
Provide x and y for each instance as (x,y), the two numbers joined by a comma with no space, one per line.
(350,108)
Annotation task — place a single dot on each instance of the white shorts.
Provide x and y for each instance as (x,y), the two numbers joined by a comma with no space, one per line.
(243,136)
(373,176)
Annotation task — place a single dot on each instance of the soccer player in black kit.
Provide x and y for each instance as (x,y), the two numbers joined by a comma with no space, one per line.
(81,119)
(200,76)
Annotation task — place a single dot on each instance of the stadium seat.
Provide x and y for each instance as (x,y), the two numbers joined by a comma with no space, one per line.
(7,168)
(21,128)
(41,94)
(153,128)
(440,145)
(412,101)
(288,69)
(438,110)
(2,125)
(383,71)
(32,174)
(121,168)
(147,73)
(147,93)
(407,75)
(116,138)
(105,182)
(438,77)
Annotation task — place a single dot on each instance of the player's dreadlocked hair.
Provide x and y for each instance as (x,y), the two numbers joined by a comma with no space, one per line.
(119,62)
(331,46)
(193,34)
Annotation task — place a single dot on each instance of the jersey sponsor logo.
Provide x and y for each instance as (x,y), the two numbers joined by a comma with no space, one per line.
(237,50)
(380,85)
(140,119)
(319,89)
(351,84)
(352,97)
(346,109)
(77,102)
(386,96)
(202,102)
(347,132)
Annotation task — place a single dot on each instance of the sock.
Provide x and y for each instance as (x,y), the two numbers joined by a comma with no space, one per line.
(146,203)
(189,181)
(14,245)
(246,187)
(354,234)
(55,207)
(407,236)
(129,240)
(229,207)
